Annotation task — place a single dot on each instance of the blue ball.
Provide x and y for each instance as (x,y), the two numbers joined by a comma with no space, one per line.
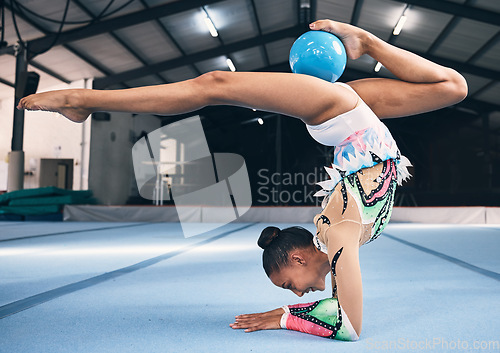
(320,54)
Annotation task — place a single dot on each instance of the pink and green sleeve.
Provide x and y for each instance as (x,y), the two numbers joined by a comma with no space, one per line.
(324,318)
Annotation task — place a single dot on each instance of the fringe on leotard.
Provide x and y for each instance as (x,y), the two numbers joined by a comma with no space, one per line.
(363,149)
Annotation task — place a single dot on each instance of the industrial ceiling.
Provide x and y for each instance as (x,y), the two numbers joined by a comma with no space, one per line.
(127,43)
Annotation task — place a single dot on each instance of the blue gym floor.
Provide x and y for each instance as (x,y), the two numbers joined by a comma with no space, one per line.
(138,287)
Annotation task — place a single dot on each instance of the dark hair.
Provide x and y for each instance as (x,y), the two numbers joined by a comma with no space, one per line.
(277,245)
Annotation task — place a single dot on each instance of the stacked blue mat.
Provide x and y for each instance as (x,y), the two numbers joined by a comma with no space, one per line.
(42,201)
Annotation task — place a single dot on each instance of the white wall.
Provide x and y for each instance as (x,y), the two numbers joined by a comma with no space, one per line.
(46,135)
(111,176)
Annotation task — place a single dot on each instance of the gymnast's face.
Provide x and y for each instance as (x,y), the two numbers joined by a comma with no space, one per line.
(304,273)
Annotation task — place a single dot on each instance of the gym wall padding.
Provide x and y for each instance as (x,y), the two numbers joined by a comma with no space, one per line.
(434,215)
(439,215)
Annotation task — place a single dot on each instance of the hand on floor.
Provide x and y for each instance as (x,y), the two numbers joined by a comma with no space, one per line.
(269,320)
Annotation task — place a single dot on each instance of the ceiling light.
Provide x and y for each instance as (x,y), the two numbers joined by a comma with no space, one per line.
(378,67)
(260,121)
(230,64)
(211,26)
(401,22)
(400,25)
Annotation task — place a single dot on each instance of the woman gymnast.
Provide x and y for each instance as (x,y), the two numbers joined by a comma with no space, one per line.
(366,164)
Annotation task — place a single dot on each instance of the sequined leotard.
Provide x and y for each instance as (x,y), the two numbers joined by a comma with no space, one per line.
(358,197)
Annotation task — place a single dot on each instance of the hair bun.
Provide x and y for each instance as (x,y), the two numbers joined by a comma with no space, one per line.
(267,236)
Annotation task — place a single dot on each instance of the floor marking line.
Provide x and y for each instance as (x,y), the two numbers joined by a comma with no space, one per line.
(26,303)
(451,259)
(74,231)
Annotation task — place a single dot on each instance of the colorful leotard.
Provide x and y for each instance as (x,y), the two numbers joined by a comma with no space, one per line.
(364,199)
(362,142)
(366,168)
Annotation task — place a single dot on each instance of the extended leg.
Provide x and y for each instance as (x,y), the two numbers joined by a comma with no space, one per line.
(305,97)
(422,86)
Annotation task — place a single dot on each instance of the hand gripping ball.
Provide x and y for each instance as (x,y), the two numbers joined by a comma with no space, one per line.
(320,54)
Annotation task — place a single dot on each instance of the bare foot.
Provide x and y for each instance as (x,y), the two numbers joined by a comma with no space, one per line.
(65,102)
(354,38)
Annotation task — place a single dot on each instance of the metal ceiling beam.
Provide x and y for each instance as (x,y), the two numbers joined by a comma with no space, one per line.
(89,61)
(41,68)
(10,50)
(479,106)
(314,10)
(304,13)
(49,71)
(483,89)
(193,58)
(118,39)
(259,28)
(356,12)
(135,54)
(170,37)
(452,8)
(115,23)
(485,48)
(7,83)
(450,27)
